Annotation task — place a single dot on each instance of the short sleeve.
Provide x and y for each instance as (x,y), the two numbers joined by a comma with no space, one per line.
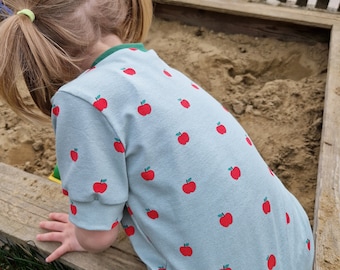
(91,160)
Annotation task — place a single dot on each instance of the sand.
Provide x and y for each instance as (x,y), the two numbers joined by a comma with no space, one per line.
(274,88)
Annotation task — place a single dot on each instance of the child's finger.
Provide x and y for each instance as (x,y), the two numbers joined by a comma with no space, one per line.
(52,225)
(60,251)
(62,217)
(50,237)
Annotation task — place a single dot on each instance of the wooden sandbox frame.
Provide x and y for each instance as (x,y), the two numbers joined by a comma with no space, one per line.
(21,210)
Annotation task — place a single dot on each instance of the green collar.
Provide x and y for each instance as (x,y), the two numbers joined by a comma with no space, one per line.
(138,46)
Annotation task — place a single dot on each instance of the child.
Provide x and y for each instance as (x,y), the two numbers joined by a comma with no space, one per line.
(139,143)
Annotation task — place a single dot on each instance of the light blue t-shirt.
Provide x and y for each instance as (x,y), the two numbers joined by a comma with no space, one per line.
(140,143)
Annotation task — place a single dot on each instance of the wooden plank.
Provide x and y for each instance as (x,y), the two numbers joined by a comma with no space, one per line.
(232,24)
(262,11)
(327,205)
(26,199)
(311,3)
(333,5)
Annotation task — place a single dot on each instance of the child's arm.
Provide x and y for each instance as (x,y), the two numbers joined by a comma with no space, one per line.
(73,238)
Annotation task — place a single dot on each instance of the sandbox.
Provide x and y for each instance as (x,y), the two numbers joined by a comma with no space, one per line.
(274,67)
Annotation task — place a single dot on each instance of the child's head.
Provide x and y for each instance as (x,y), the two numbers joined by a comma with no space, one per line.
(44,54)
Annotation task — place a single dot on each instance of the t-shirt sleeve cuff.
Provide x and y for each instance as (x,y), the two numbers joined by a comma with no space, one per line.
(95,215)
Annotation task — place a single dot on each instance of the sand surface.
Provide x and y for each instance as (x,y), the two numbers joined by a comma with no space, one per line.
(274,88)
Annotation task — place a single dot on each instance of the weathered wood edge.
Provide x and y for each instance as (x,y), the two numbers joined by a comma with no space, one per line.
(326,218)
(26,199)
(301,16)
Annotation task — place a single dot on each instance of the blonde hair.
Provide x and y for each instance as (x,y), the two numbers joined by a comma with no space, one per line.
(39,57)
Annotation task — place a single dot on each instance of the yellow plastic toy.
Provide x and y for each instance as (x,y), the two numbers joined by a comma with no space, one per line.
(55,176)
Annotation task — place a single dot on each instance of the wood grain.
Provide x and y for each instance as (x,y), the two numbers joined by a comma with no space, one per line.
(26,199)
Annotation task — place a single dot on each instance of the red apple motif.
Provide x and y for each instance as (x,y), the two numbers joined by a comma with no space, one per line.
(308,244)
(186,250)
(167,73)
(184,103)
(153,214)
(65,192)
(74,154)
(271,262)
(114,224)
(55,110)
(129,230)
(144,108)
(133,49)
(287,218)
(148,175)
(100,104)
(129,211)
(221,128)
(183,138)
(195,86)
(100,187)
(118,146)
(226,267)
(249,141)
(235,172)
(161,268)
(73,209)
(129,71)
(189,186)
(225,219)
(266,206)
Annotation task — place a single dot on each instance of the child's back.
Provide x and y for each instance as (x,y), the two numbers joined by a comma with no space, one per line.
(196,193)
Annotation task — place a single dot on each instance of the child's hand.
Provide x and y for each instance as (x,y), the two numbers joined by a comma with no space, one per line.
(61,230)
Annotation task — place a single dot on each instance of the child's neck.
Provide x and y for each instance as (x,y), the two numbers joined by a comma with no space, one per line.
(102,45)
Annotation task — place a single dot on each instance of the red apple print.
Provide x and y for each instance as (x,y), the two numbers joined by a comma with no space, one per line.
(114,224)
(308,244)
(226,267)
(74,154)
(183,138)
(249,141)
(287,218)
(271,172)
(129,71)
(271,262)
(189,186)
(148,175)
(184,103)
(133,49)
(186,250)
(153,214)
(55,110)
(100,104)
(225,219)
(167,73)
(266,206)
(195,86)
(118,146)
(129,230)
(73,209)
(65,192)
(221,128)
(161,268)
(144,108)
(235,172)
(129,211)
(100,187)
